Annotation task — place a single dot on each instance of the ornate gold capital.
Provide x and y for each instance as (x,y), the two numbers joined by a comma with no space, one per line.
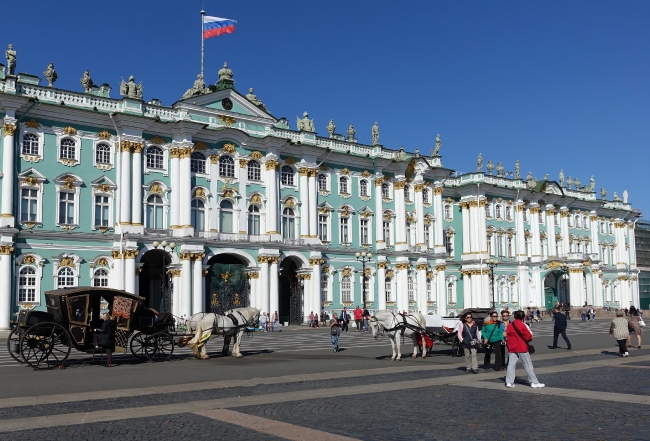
(272,164)
(175,153)
(130,254)
(185,255)
(214,159)
(316,261)
(243,163)
(198,256)
(441,267)
(399,185)
(379,182)
(256,155)
(6,249)
(534,210)
(419,187)
(551,211)
(186,152)
(564,214)
(115,254)
(437,191)
(253,275)
(138,147)
(576,270)
(382,265)
(10,129)
(175,272)
(304,171)
(402,266)
(421,266)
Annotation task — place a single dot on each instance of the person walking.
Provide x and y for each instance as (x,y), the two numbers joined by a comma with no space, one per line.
(519,335)
(316,321)
(560,328)
(635,327)
(344,319)
(276,322)
(469,336)
(263,319)
(335,331)
(492,333)
(366,319)
(505,321)
(619,330)
(583,312)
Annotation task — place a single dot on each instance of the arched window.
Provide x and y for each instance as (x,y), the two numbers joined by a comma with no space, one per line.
(448,211)
(409,233)
(155,208)
(100,278)
(511,252)
(385,191)
(322,182)
(387,235)
(103,153)
(30,144)
(427,234)
(227,166)
(154,158)
(411,289)
(197,162)
(254,171)
(488,210)
(509,213)
(365,232)
(513,292)
(346,289)
(585,222)
(503,291)
(286,175)
(27,285)
(324,287)
(430,290)
(198,214)
(343,185)
(577,222)
(254,220)
(226,217)
(407,193)
(425,196)
(68,149)
(65,278)
(498,212)
(288,223)
(450,292)
(363,188)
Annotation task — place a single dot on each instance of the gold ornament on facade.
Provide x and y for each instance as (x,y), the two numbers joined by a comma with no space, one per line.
(68,182)
(102,261)
(365,174)
(421,266)
(256,199)
(379,182)
(131,254)
(214,159)
(66,261)
(157,140)
(316,261)
(104,134)
(324,210)
(174,272)
(325,270)
(103,188)
(200,145)
(290,202)
(30,180)
(576,270)
(324,167)
(175,153)
(346,272)
(199,193)
(186,255)
(228,193)
(256,155)
(29,259)
(156,188)
(402,266)
(229,148)
(304,171)
(243,163)
(390,274)
(550,211)
(382,265)
(6,249)
(186,152)
(228,121)
(272,164)
(430,275)
(115,254)
(534,210)
(399,185)
(345,171)
(365,214)
(441,267)
(70,131)
(437,191)
(33,124)
(253,275)
(418,188)
(564,214)
(290,160)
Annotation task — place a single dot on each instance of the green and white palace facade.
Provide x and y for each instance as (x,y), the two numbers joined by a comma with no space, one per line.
(138,196)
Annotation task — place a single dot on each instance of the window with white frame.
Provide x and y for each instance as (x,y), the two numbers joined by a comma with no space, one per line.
(488,210)
(197,163)
(344,235)
(27,285)
(226,166)
(427,234)
(488,237)
(28,205)
(154,158)
(501,245)
(448,211)
(411,288)
(254,220)
(499,212)
(388,286)
(430,290)
(407,193)
(154,212)
(288,223)
(322,182)
(324,287)
(611,228)
(66,208)
(343,185)
(103,153)
(585,222)
(286,175)
(254,171)
(449,243)
(508,213)
(226,215)
(346,289)
(100,278)
(363,188)
(198,215)
(102,209)
(323,227)
(510,244)
(365,232)
(513,292)
(409,233)
(387,235)
(30,144)
(569,221)
(385,191)
(65,278)
(68,149)
(450,292)
(503,291)
(577,221)
(602,228)
(425,196)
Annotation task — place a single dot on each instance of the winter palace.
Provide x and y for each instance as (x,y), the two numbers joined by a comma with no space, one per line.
(152,199)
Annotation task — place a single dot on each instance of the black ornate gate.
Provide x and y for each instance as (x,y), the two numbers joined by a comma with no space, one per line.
(229,288)
(167,288)
(296,315)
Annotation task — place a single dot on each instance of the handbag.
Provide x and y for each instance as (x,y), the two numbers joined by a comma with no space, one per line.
(488,345)
(642,323)
(531,348)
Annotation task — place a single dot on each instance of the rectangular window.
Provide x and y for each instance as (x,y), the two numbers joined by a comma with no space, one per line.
(322,227)
(430,290)
(427,235)
(489,245)
(389,290)
(449,244)
(346,289)
(345,236)
(387,233)
(28,205)
(66,208)
(101,211)
(409,241)
(365,236)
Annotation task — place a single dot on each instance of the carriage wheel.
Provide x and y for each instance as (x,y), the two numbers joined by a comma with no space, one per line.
(159,347)
(14,339)
(45,346)
(138,345)
(456,349)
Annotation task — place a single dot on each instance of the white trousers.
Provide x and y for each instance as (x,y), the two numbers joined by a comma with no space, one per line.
(513,358)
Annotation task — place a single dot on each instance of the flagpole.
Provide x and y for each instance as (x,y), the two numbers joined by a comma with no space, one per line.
(202,39)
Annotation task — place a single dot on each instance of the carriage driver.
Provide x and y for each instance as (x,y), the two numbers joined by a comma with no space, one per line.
(105,337)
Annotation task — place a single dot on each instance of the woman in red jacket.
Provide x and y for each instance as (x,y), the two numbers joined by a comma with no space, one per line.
(519,335)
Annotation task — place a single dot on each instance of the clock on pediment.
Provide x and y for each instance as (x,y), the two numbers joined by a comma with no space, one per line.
(226,103)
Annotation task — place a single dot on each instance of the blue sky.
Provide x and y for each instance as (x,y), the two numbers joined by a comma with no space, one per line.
(555,84)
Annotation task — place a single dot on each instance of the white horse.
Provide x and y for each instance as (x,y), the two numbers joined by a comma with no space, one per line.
(202,325)
(395,326)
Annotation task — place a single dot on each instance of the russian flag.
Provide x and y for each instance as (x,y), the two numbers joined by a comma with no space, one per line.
(215,26)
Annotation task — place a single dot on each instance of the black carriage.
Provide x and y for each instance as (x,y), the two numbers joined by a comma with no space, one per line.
(44,339)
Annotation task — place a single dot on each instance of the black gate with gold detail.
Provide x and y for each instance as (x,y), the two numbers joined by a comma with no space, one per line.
(229,288)
(295,303)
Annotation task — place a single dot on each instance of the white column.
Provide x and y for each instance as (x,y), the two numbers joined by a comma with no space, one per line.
(485,295)
(186,188)
(381,285)
(524,287)
(400,216)
(313,210)
(243,203)
(595,246)
(116,274)
(576,288)
(214,180)
(5,291)
(620,243)
(264,293)
(136,176)
(274,300)
(474,246)
(537,294)
(534,232)
(564,230)
(254,280)
(125,183)
(177,292)
(469,296)
(8,171)
(466,231)
(379,214)
(632,241)
(419,212)
(198,285)
(482,227)
(520,245)
(598,290)
(129,270)
(316,301)
(272,167)
(175,208)
(186,281)
(550,229)
(401,290)
(439,235)
(304,206)
(422,288)
(441,289)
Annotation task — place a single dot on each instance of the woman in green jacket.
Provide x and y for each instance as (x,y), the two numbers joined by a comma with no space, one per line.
(492,333)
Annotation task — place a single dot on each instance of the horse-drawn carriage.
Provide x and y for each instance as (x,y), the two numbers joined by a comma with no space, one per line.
(44,339)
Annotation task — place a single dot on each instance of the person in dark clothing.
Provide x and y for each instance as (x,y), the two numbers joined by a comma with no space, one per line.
(560,328)
(344,320)
(104,337)
(366,319)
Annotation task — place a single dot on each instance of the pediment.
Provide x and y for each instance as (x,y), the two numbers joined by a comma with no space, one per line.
(102,180)
(32,172)
(216,100)
(552,187)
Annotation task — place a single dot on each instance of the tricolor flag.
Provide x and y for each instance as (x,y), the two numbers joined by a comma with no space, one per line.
(215,26)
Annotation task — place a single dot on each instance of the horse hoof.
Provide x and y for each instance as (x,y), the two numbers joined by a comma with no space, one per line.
(399,359)
(424,356)
(205,357)
(238,355)
(392,359)
(414,357)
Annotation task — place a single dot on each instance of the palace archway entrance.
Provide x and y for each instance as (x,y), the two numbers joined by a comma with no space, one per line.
(556,289)
(155,284)
(291,293)
(226,284)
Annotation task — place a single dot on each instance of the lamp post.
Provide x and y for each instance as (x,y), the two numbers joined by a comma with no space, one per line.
(564,268)
(363,257)
(492,263)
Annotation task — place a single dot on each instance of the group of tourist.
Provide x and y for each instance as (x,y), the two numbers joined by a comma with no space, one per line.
(626,324)
(270,322)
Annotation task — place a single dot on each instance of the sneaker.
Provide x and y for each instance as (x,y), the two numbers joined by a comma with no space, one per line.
(510,385)
(467,371)
(475,371)
(569,348)
(627,354)
(537,385)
